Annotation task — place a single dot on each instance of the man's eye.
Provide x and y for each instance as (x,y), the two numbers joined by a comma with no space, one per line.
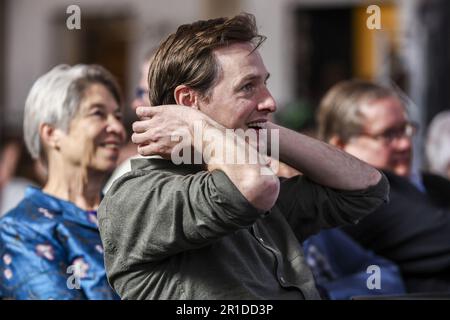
(247,88)
(393,134)
(119,116)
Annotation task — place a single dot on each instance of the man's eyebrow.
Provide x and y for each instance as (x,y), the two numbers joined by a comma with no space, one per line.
(252,77)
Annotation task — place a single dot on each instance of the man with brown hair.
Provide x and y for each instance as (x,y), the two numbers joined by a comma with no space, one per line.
(370,121)
(223,229)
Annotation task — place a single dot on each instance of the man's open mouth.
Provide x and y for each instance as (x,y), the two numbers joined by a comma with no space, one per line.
(257,125)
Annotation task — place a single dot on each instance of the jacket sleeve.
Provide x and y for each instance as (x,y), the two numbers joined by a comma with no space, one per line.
(147,217)
(309,207)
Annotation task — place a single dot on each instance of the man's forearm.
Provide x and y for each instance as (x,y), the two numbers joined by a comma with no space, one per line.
(254,179)
(324,163)
(218,147)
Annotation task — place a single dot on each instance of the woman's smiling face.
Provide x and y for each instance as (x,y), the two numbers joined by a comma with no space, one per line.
(95,133)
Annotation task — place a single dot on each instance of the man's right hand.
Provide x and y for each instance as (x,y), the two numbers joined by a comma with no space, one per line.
(154,133)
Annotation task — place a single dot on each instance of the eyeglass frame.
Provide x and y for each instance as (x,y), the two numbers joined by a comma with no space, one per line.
(410,129)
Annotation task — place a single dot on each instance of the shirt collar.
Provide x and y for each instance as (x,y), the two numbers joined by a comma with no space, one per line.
(68,209)
(157,163)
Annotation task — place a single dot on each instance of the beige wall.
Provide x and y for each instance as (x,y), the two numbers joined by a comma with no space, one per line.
(31,45)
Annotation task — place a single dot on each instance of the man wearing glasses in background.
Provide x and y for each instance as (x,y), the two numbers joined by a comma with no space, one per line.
(371,122)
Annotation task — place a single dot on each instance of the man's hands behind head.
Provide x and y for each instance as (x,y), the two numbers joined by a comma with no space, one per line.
(160,128)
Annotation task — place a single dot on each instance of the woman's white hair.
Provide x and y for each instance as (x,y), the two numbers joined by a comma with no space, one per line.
(437,146)
(55,98)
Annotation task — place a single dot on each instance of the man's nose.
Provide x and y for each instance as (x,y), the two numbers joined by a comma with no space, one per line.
(136,103)
(139,102)
(403,143)
(267,102)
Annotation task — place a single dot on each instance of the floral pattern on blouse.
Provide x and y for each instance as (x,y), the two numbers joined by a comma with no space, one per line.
(51,249)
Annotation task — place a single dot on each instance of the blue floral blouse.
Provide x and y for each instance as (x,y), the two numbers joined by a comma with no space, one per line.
(51,249)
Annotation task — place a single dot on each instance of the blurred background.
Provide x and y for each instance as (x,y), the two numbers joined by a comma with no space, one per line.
(311,45)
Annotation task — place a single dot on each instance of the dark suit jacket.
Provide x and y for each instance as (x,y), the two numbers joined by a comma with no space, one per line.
(413,230)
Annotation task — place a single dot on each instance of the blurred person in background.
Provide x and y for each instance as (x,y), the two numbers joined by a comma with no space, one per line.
(437,147)
(129,150)
(371,122)
(50,247)
(141,95)
(17,172)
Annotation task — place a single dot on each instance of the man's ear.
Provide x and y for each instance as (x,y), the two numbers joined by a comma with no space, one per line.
(337,142)
(50,135)
(186,96)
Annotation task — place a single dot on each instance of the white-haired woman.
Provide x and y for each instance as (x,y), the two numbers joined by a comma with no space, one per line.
(50,246)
